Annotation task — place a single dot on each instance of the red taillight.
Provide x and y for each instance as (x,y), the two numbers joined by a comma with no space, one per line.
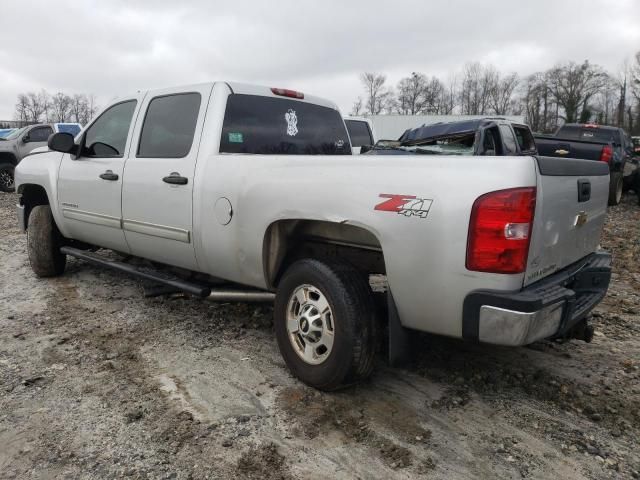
(283,92)
(500,231)
(606,154)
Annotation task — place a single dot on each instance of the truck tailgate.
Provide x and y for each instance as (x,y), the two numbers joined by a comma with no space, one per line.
(571,206)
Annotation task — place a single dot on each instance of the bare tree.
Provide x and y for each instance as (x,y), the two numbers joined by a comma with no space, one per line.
(60,107)
(378,95)
(478,82)
(635,90)
(36,106)
(22,108)
(356,109)
(573,85)
(412,94)
(502,92)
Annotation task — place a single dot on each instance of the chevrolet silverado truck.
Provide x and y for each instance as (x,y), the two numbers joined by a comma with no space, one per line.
(610,145)
(22,142)
(231,191)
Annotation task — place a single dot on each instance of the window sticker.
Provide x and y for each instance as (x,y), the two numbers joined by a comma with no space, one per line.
(235,137)
(292,122)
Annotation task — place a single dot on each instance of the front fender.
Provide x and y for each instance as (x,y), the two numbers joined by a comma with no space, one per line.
(42,170)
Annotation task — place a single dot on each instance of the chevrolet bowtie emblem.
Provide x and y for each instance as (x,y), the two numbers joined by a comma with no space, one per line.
(581,219)
(562,152)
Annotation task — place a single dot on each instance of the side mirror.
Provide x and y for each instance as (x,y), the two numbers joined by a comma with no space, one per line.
(62,142)
(366,148)
(25,139)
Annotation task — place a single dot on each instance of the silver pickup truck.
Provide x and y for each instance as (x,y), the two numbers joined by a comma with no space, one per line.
(257,187)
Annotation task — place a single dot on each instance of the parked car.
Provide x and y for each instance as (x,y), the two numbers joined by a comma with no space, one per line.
(636,146)
(264,195)
(360,132)
(483,136)
(610,145)
(21,142)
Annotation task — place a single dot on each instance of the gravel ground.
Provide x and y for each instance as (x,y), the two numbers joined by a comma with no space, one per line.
(98,382)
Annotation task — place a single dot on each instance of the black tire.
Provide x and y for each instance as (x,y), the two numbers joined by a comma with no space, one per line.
(347,292)
(615,188)
(6,177)
(43,243)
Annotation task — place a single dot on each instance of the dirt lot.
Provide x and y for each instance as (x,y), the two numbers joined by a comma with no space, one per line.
(98,382)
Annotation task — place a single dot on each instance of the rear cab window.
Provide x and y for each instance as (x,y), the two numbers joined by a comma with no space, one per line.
(255,124)
(359,132)
(593,134)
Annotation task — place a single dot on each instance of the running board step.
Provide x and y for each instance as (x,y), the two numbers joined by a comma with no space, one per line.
(198,290)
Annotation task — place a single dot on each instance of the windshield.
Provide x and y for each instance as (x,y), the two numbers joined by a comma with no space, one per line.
(15,134)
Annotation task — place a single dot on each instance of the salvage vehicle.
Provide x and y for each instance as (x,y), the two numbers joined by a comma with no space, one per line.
(21,142)
(256,187)
(360,133)
(588,141)
(484,136)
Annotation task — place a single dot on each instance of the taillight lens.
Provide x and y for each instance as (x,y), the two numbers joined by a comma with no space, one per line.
(500,231)
(606,154)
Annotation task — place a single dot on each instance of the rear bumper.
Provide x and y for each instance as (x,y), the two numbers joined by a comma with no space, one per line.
(548,308)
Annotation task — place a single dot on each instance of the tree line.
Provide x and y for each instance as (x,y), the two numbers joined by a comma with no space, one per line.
(40,107)
(570,92)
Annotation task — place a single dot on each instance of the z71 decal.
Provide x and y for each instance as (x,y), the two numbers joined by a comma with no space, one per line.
(407,205)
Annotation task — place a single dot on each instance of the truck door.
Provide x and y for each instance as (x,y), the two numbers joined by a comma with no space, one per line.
(32,139)
(157,193)
(90,186)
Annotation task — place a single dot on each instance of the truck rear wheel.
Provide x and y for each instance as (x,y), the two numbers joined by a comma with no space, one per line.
(6,177)
(43,243)
(615,188)
(325,323)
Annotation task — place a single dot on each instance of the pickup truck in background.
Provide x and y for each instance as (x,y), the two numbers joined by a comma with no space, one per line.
(610,145)
(235,191)
(21,142)
(485,136)
(360,132)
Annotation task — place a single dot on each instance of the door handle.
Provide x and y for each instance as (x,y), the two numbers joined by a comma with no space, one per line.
(109,175)
(175,179)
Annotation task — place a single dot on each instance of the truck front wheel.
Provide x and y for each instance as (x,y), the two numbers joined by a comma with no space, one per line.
(44,242)
(325,323)
(6,177)
(615,188)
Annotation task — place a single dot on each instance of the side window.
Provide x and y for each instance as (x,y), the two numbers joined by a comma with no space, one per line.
(359,133)
(169,126)
(107,136)
(508,139)
(524,138)
(491,143)
(40,134)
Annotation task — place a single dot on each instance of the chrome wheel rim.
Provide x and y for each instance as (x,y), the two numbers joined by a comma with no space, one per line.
(310,324)
(6,179)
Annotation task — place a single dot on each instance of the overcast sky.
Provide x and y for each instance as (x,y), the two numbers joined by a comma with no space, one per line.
(113,47)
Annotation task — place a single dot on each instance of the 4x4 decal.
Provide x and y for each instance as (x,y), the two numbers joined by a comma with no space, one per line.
(407,205)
